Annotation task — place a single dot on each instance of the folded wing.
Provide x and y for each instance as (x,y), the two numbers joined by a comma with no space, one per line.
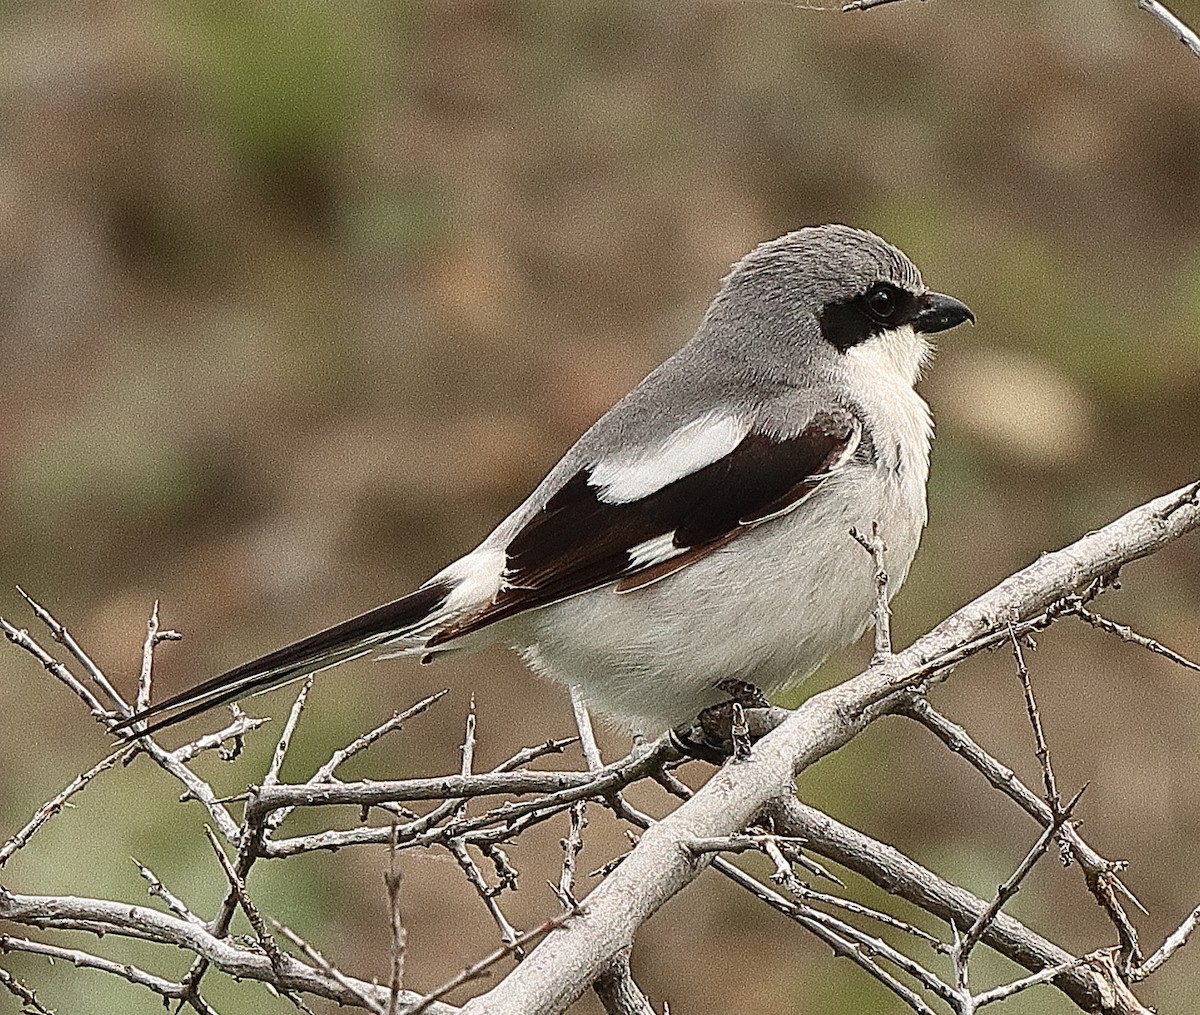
(589,535)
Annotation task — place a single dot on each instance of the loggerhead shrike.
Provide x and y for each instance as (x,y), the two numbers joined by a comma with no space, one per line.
(698,533)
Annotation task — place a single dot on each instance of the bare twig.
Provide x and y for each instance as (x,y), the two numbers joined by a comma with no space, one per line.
(458,848)
(732,843)
(325,774)
(1176,27)
(238,887)
(846,941)
(391,881)
(234,732)
(285,737)
(1007,990)
(775,847)
(363,998)
(24,994)
(1126,633)
(1100,874)
(559,788)
(1175,940)
(572,845)
(153,637)
(478,969)
(505,871)
(122,918)
(265,799)
(508,934)
(359,744)
(195,788)
(173,902)
(875,546)
(587,736)
(887,867)
(468,746)
(64,638)
(886,919)
(166,989)
(22,639)
(896,873)
(1039,738)
(791,847)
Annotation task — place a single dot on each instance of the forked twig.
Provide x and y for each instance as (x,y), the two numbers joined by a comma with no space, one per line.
(1013,884)
(145,675)
(238,887)
(22,993)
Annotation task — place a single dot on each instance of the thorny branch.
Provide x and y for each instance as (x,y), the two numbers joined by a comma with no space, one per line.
(656,869)
(482,811)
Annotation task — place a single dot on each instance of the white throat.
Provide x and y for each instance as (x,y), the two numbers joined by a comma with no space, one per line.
(879,375)
(900,352)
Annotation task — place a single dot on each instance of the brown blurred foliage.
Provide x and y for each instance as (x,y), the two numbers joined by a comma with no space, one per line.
(296,300)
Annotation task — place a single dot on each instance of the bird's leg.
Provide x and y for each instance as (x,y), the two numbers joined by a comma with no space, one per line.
(714,736)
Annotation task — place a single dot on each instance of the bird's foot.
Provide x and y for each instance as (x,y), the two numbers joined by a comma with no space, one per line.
(746,694)
(720,731)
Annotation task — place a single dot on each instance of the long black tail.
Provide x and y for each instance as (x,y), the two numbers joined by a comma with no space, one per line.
(347,640)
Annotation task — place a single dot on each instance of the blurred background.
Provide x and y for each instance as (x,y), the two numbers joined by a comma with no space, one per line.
(297,300)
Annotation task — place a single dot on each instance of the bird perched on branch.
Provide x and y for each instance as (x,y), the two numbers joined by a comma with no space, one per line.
(698,535)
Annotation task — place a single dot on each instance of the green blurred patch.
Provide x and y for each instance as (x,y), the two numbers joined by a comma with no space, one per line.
(394,220)
(87,464)
(918,222)
(286,82)
(1186,337)
(1054,310)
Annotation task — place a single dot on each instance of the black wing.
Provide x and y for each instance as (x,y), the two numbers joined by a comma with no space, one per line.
(579,541)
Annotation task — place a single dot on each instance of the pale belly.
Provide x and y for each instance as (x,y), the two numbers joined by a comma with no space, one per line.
(768,609)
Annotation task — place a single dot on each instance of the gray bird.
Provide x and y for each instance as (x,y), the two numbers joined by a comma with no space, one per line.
(698,533)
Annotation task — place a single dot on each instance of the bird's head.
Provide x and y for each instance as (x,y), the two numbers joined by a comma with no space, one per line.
(826,292)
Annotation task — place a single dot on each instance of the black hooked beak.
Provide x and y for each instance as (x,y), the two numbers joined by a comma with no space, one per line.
(937,312)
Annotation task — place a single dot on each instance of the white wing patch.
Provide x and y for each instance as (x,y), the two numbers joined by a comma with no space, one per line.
(654,551)
(478,577)
(690,448)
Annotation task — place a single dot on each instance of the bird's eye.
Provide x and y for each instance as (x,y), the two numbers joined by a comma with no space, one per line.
(881,304)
